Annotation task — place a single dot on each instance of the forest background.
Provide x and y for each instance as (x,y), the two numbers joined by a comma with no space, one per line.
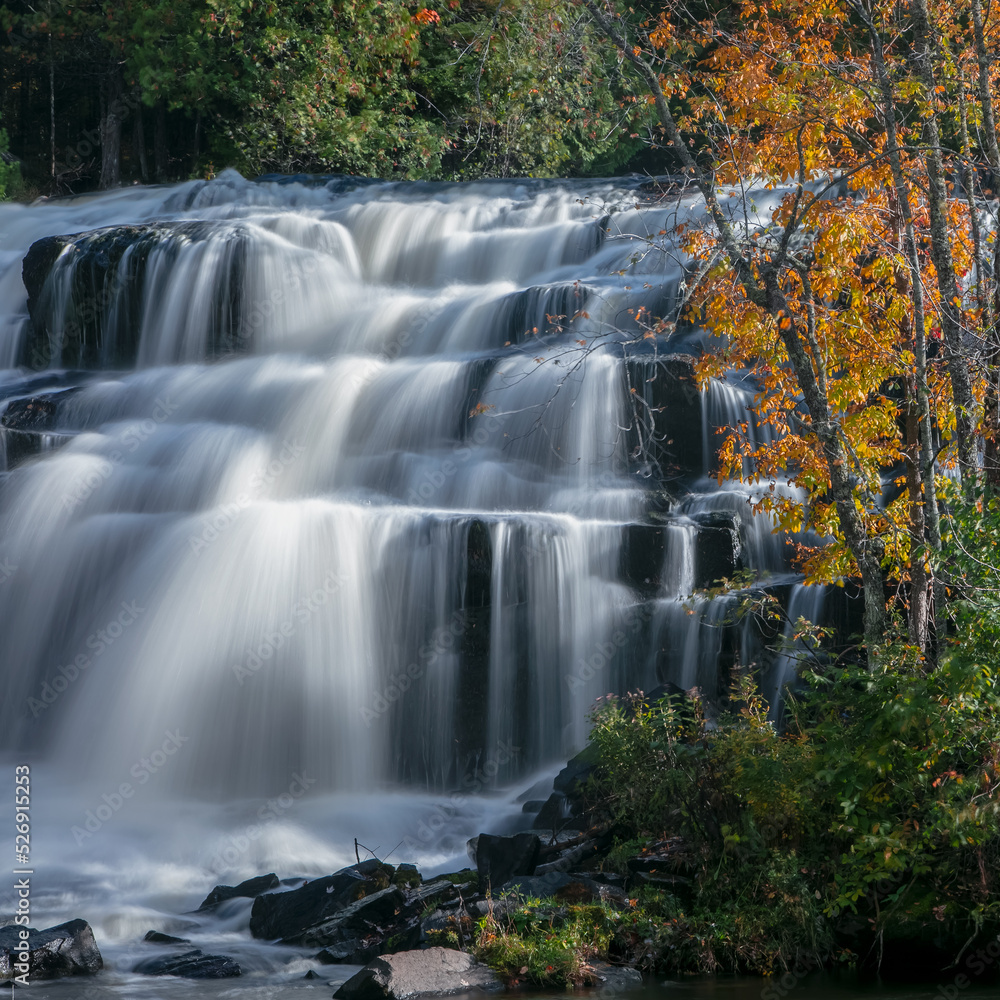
(866,312)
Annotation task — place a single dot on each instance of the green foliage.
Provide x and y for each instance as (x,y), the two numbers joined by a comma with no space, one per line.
(882,797)
(545,943)
(525,88)
(971,559)
(9,172)
(387,88)
(554,943)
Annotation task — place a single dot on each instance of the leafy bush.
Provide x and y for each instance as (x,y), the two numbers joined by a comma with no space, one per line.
(882,797)
(9,172)
(545,943)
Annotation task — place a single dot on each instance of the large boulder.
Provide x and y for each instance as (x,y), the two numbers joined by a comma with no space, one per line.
(432,972)
(614,978)
(64,950)
(667,432)
(158,937)
(190,965)
(28,426)
(364,929)
(287,915)
(498,859)
(718,548)
(248,889)
(642,557)
(87,291)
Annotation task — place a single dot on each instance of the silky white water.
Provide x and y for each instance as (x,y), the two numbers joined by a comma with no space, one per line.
(342,491)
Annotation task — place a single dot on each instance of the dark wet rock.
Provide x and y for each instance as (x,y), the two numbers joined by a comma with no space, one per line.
(311,974)
(718,549)
(28,426)
(64,950)
(36,413)
(570,858)
(642,557)
(497,906)
(666,437)
(431,972)
(500,858)
(38,263)
(717,519)
(407,877)
(613,879)
(287,915)
(472,695)
(540,310)
(190,965)
(249,889)
(557,813)
(615,977)
(20,446)
(577,772)
(86,291)
(443,890)
(659,865)
(466,880)
(661,880)
(371,926)
(158,937)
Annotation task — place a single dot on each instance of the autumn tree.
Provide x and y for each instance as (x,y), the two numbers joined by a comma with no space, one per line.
(849,304)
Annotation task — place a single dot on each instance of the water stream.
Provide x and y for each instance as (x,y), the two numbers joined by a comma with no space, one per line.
(379,485)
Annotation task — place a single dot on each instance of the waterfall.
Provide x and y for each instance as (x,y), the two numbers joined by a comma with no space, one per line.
(378,482)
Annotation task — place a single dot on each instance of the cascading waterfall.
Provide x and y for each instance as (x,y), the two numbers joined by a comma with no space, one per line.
(350,479)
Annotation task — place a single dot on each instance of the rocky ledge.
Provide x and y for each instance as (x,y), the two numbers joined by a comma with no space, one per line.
(432,972)
(69,949)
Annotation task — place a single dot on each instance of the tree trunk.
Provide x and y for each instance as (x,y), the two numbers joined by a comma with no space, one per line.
(951,320)
(991,334)
(867,550)
(139,143)
(918,610)
(112,112)
(197,142)
(52,114)
(160,155)
(915,288)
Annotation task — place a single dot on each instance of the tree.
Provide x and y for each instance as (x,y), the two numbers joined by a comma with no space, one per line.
(8,170)
(838,301)
(524,87)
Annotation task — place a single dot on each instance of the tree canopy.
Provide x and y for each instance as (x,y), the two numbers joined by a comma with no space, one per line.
(377,87)
(865,309)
